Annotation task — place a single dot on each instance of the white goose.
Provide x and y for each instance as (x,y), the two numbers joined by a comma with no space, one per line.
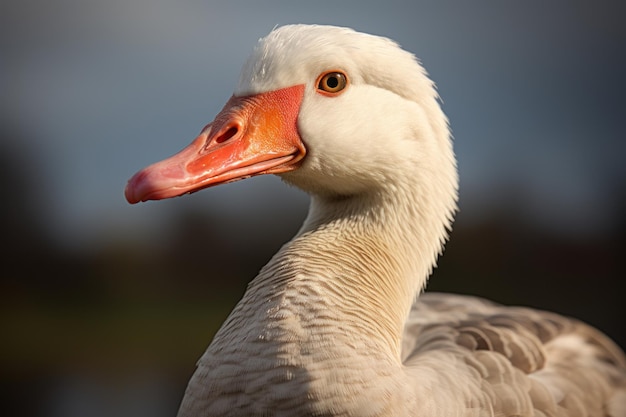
(329,327)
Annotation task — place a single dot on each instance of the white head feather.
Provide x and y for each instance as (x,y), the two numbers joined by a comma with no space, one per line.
(388,117)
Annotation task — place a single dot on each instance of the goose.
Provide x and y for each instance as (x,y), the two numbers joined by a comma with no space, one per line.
(337,323)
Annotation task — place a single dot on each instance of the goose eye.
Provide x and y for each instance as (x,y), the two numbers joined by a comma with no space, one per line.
(332,82)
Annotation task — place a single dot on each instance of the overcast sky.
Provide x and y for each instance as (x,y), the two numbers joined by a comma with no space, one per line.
(97,90)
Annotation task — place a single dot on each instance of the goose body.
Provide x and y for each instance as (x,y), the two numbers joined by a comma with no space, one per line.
(331,325)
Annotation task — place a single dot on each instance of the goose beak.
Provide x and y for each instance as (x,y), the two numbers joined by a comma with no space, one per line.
(252,135)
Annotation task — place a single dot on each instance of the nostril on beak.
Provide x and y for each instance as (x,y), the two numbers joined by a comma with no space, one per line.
(226,135)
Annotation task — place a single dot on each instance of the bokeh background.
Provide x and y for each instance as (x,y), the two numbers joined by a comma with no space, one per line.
(105,307)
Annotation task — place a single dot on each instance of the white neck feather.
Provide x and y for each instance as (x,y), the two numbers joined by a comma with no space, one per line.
(371,256)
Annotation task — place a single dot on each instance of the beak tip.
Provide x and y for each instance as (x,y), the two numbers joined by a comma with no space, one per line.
(133,191)
(155,182)
(130,194)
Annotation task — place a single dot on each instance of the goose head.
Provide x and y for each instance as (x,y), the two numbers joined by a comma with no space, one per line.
(332,111)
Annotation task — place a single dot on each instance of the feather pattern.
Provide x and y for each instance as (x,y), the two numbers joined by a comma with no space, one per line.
(522,362)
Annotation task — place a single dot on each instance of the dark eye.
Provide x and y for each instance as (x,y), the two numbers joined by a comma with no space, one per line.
(332,82)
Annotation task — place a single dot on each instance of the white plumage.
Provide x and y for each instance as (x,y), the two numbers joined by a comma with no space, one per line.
(329,326)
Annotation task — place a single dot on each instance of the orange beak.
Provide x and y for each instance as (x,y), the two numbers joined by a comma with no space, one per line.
(252,135)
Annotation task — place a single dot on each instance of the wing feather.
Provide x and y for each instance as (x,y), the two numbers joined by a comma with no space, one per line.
(523,362)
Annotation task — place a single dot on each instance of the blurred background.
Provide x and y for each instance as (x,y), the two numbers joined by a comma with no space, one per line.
(105,307)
